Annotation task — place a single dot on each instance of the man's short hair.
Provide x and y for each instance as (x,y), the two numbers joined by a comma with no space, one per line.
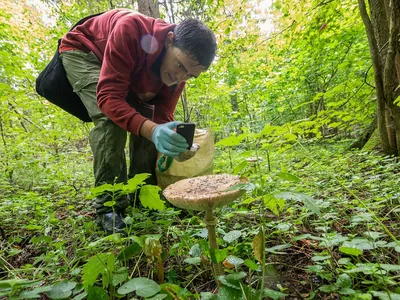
(195,38)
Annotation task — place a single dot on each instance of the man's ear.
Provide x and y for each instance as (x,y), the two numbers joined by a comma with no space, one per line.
(169,39)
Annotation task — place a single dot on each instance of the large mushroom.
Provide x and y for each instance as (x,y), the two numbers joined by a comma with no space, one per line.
(205,193)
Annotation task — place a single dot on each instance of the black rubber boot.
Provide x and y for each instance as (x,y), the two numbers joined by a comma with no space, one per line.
(111,222)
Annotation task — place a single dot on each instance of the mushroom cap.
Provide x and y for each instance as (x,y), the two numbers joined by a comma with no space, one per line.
(204,192)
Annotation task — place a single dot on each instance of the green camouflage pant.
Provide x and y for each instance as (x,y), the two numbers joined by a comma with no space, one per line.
(107,139)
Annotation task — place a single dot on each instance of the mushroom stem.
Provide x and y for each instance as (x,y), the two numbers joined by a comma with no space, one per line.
(211,221)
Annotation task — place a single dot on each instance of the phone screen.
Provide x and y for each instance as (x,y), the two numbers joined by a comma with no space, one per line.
(187,131)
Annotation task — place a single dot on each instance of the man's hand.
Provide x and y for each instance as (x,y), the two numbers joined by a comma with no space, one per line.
(167,141)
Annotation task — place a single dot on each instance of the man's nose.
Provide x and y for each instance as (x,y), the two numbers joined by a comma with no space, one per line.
(182,76)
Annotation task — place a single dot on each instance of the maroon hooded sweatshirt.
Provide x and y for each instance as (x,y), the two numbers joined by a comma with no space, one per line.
(130,47)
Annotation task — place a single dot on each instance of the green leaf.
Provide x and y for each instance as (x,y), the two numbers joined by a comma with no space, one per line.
(34,293)
(221,254)
(289,177)
(268,129)
(176,291)
(350,251)
(361,218)
(239,167)
(393,245)
(320,257)
(195,251)
(344,281)
(386,295)
(397,100)
(13,283)
(307,200)
(390,268)
(81,296)
(61,290)
(363,268)
(344,261)
(328,288)
(273,294)
(137,181)
(158,297)
(101,190)
(129,251)
(362,244)
(5,292)
(107,272)
(232,236)
(193,260)
(281,109)
(208,296)
(144,287)
(251,265)
(95,266)
(33,227)
(232,285)
(232,140)
(277,248)
(118,278)
(226,293)
(235,276)
(96,293)
(348,291)
(236,261)
(109,203)
(150,197)
(373,235)
(273,204)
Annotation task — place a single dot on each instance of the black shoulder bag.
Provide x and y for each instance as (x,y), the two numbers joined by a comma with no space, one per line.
(52,84)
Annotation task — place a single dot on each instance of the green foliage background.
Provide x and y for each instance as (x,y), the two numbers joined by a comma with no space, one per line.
(305,76)
(284,101)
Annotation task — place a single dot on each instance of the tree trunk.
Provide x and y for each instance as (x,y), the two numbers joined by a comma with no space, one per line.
(363,139)
(149,8)
(382,26)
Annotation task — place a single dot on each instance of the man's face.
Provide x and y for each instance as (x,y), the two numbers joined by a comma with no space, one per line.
(177,66)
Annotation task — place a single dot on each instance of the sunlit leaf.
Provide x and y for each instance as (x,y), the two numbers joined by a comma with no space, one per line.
(274,204)
(150,197)
(137,181)
(350,251)
(94,266)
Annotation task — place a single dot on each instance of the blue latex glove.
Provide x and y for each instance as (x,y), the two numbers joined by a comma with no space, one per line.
(167,141)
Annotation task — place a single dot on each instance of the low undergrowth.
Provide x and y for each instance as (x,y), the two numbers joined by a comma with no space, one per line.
(329,219)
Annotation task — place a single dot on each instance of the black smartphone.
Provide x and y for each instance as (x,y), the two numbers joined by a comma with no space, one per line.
(187,131)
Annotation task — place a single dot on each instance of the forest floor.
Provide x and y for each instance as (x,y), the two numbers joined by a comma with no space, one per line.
(330,218)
